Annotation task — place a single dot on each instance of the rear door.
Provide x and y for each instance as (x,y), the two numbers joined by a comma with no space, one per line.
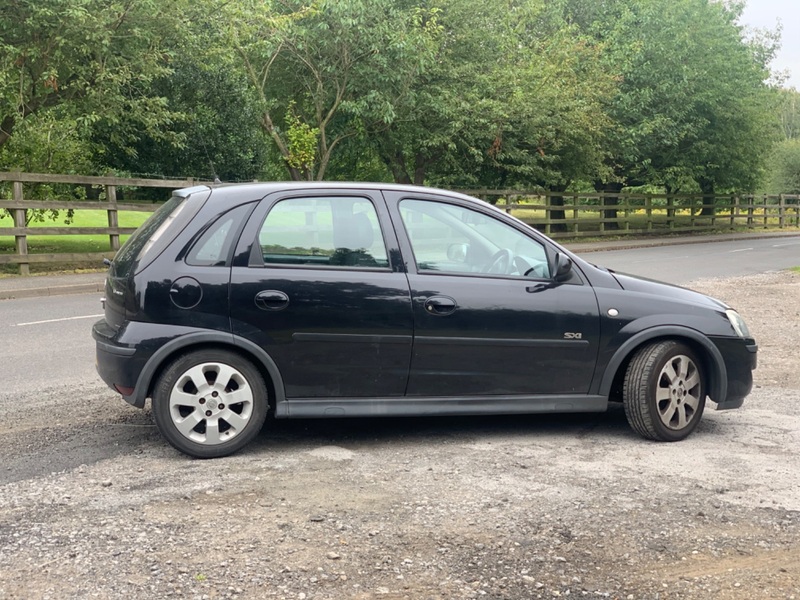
(317,283)
(489,317)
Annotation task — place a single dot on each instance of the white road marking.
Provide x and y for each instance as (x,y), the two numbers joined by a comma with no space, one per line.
(658,258)
(58,320)
(739,250)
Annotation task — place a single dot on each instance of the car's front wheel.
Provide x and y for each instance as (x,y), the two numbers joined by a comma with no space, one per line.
(210,403)
(664,391)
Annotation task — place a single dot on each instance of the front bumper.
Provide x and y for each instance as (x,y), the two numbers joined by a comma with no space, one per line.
(741,359)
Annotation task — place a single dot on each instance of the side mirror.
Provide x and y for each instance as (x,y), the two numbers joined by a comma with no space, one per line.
(457,252)
(562,267)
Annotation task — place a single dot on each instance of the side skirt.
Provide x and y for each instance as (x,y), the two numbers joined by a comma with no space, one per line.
(300,408)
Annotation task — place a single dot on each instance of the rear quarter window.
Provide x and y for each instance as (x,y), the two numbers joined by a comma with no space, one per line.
(155,234)
(214,246)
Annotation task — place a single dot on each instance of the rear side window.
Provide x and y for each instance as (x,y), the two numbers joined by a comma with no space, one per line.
(128,254)
(323,232)
(156,233)
(214,245)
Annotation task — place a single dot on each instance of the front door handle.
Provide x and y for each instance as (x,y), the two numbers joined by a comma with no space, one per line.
(272,300)
(440,305)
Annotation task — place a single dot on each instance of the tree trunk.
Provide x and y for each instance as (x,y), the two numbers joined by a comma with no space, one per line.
(557,215)
(612,188)
(420,166)
(269,129)
(396,163)
(707,189)
(6,127)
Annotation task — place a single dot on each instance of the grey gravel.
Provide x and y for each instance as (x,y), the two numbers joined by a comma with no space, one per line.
(93,504)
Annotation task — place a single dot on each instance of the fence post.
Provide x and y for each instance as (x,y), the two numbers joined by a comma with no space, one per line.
(781,211)
(765,210)
(648,211)
(113,216)
(548,214)
(671,212)
(20,241)
(750,202)
(734,203)
(714,210)
(575,212)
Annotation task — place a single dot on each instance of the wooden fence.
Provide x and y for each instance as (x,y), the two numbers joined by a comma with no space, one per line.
(575,215)
(18,205)
(560,215)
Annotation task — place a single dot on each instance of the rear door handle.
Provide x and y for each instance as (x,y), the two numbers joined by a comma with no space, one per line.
(272,300)
(440,305)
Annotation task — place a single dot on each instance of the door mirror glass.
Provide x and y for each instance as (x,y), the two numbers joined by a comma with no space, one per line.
(458,252)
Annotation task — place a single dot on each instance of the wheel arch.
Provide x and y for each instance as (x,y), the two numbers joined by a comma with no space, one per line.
(712,362)
(205,340)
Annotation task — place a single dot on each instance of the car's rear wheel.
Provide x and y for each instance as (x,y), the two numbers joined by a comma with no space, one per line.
(664,391)
(210,403)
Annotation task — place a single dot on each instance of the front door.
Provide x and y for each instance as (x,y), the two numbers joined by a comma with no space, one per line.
(320,294)
(489,317)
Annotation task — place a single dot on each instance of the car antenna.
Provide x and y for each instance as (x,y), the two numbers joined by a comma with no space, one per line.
(210,162)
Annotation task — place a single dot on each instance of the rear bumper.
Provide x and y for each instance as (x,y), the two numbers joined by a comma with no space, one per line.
(129,358)
(116,363)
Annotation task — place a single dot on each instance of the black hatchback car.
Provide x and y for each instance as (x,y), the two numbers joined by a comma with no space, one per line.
(232,303)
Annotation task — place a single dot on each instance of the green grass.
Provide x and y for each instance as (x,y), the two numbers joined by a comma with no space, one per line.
(795,269)
(67,244)
(64,244)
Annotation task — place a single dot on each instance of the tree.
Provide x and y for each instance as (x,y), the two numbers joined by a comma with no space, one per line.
(785,161)
(789,113)
(326,71)
(214,131)
(691,108)
(96,57)
(513,99)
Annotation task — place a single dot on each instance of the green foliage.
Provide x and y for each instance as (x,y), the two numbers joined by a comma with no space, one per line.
(214,133)
(557,94)
(95,59)
(789,113)
(340,65)
(786,167)
(48,142)
(691,103)
(301,141)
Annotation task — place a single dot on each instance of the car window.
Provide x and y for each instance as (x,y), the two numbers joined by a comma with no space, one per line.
(149,237)
(323,232)
(446,238)
(214,245)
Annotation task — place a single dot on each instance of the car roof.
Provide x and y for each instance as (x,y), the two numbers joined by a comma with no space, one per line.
(254,190)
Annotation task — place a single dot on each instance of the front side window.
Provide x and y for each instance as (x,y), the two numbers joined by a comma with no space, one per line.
(446,238)
(323,232)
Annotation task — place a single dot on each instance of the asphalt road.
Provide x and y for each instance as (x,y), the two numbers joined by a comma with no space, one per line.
(47,342)
(682,263)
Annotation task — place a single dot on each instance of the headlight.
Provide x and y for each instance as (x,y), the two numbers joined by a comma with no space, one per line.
(738,324)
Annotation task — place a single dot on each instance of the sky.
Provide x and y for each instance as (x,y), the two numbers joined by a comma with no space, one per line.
(767,13)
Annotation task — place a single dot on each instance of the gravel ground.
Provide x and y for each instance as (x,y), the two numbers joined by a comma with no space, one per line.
(93,504)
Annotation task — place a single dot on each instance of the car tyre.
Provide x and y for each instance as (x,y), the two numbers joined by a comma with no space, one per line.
(664,391)
(210,403)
